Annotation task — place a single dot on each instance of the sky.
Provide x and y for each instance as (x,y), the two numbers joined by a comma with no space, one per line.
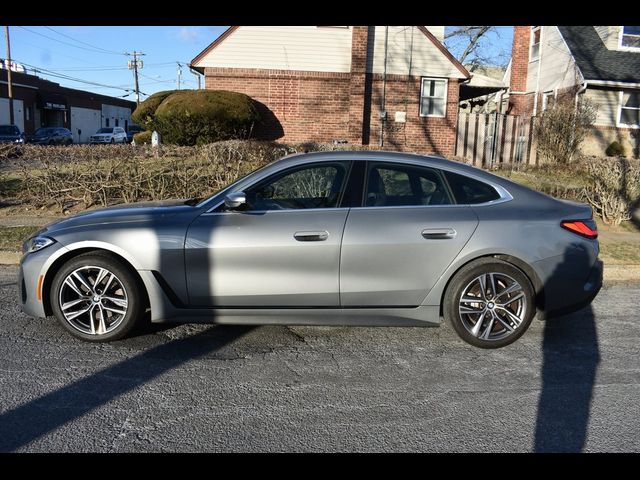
(96,54)
(87,55)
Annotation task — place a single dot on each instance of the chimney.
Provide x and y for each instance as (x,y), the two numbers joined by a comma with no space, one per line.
(357,107)
(518,102)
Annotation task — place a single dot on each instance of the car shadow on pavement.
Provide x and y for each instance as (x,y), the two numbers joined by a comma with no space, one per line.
(570,360)
(26,423)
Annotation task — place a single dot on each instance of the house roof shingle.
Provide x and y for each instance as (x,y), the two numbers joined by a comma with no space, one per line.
(596,61)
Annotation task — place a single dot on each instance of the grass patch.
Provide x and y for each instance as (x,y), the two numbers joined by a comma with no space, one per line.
(10,185)
(620,253)
(11,238)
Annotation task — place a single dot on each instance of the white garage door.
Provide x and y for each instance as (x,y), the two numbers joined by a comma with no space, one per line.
(87,121)
(18,113)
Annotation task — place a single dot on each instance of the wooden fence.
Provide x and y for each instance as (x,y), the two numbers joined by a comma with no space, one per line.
(486,139)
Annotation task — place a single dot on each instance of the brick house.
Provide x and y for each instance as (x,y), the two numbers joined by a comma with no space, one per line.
(601,64)
(388,87)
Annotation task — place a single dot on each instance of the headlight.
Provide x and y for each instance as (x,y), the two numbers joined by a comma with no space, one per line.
(19,140)
(36,243)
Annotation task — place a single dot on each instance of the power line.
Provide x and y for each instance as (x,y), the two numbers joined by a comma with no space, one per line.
(69,44)
(73,79)
(84,43)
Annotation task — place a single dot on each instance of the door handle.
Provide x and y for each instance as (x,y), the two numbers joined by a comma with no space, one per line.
(311,236)
(438,233)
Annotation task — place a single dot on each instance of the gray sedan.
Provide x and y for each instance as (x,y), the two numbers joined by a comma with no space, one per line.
(334,238)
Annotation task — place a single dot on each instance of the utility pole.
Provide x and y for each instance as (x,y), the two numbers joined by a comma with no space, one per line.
(9,80)
(179,74)
(134,65)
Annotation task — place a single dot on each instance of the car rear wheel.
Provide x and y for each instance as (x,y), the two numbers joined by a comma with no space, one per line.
(113,140)
(96,298)
(490,303)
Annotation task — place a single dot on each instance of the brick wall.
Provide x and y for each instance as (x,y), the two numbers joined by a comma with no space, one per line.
(295,106)
(418,134)
(321,107)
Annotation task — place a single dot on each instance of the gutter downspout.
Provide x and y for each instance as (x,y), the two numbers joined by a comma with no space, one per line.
(196,73)
(535,98)
(383,113)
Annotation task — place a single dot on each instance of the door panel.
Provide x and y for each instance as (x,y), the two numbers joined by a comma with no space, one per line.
(253,259)
(392,256)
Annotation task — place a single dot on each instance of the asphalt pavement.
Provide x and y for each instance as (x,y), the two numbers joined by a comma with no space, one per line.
(570,384)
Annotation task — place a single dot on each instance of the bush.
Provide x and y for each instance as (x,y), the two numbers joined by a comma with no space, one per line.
(145,114)
(108,174)
(562,128)
(197,117)
(616,149)
(142,138)
(614,188)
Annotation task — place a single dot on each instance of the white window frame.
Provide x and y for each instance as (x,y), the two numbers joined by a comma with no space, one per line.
(446,94)
(620,107)
(626,47)
(533,30)
(545,98)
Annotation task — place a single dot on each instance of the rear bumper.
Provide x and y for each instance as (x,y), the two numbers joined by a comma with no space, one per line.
(581,294)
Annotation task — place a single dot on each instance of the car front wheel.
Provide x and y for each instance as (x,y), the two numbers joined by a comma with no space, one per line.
(96,298)
(490,303)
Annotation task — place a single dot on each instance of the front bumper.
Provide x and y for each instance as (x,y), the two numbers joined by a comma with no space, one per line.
(32,266)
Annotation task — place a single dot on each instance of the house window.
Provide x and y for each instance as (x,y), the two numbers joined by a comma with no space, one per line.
(630,109)
(117,122)
(534,54)
(630,37)
(106,122)
(27,114)
(433,97)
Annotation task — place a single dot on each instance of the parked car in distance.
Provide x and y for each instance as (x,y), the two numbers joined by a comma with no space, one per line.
(132,130)
(328,238)
(109,135)
(10,134)
(51,136)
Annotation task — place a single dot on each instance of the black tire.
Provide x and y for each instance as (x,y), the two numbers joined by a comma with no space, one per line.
(135,308)
(51,142)
(113,140)
(464,277)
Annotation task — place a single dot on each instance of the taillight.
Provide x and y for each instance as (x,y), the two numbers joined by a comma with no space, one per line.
(585,228)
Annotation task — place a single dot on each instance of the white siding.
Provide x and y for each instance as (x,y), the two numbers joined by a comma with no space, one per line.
(87,120)
(437,31)
(307,48)
(558,68)
(425,58)
(609,35)
(607,102)
(113,113)
(18,113)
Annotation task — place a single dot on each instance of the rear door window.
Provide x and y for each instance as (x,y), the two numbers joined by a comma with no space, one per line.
(470,191)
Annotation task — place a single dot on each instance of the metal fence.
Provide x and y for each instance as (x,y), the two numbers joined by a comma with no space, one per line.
(486,139)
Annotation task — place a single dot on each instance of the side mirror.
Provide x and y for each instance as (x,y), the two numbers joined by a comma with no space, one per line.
(235,201)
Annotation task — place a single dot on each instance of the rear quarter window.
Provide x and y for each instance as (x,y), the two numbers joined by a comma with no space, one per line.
(469,190)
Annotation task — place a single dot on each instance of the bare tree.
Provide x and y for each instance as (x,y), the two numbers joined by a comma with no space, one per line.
(474,45)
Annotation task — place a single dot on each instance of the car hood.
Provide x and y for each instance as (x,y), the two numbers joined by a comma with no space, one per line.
(140,212)
(9,137)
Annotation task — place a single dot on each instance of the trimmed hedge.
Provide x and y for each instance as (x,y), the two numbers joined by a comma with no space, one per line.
(143,138)
(145,114)
(197,117)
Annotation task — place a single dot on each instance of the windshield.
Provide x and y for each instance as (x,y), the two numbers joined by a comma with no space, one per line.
(105,130)
(44,131)
(9,130)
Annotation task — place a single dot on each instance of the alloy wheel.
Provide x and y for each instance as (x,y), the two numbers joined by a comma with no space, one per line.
(492,306)
(93,300)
